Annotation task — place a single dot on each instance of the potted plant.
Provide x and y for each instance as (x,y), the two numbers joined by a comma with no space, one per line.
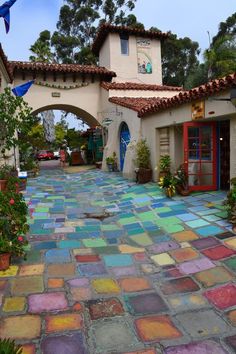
(8,175)
(31,166)
(181,177)
(13,225)
(143,163)
(164,165)
(8,346)
(230,203)
(168,183)
(111,162)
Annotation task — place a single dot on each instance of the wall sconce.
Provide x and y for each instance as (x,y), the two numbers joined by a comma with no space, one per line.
(106,122)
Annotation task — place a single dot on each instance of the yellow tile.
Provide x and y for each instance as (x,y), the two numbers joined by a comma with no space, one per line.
(10,272)
(105,286)
(13,304)
(231,243)
(163,259)
(130,249)
(183,236)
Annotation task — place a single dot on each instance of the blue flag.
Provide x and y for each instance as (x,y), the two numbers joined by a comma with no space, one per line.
(21,90)
(5,13)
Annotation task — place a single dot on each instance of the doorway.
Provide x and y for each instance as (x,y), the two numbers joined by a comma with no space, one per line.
(224,154)
(200,155)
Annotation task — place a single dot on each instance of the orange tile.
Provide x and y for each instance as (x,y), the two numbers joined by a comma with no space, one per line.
(134,284)
(55,283)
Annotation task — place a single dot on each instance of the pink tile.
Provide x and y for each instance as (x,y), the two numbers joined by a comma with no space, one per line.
(195,266)
(47,302)
(222,297)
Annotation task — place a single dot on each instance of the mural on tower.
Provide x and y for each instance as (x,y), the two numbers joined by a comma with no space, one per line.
(144,56)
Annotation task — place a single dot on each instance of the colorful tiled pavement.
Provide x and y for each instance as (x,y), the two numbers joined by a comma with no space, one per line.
(116,267)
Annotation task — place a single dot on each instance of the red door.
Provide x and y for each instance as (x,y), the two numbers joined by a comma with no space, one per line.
(200,155)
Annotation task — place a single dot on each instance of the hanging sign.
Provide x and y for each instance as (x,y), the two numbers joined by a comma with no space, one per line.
(198,110)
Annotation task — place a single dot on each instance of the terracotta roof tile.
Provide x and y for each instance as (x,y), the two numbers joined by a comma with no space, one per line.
(64,68)
(196,93)
(145,106)
(134,103)
(6,63)
(107,28)
(138,86)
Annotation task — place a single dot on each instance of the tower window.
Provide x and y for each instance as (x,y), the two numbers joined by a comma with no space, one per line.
(124,44)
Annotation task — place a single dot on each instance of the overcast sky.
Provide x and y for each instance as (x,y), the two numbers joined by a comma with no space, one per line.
(186,18)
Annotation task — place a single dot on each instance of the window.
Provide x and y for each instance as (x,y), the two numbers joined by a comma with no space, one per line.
(124,44)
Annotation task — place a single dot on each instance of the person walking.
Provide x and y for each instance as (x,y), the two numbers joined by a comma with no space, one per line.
(62,157)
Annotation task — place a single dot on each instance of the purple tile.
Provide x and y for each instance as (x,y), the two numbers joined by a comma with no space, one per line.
(203,243)
(78,283)
(92,269)
(146,304)
(196,266)
(164,247)
(47,302)
(120,271)
(65,344)
(206,347)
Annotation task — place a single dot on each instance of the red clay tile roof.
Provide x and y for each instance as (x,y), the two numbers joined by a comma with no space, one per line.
(64,68)
(145,107)
(134,103)
(6,63)
(107,28)
(138,86)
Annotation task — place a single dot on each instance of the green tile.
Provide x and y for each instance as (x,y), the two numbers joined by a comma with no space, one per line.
(141,239)
(126,221)
(90,243)
(168,220)
(173,228)
(147,216)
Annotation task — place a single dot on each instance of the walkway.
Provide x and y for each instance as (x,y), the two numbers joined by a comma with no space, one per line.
(116,267)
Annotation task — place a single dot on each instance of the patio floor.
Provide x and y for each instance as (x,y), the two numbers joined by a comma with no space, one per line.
(116,267)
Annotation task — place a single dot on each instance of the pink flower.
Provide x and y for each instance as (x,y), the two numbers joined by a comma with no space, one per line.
(20,238)
(12,201)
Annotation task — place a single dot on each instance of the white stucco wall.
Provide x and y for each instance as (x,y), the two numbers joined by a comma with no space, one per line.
(142,93)
(125,66)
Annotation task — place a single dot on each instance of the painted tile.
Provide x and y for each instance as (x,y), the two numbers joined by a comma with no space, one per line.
(57,256)
(164,247)
(10,272)
(187,217)
(92,269)
(91,243)
(197,223)
(105,308)
(151,303)
(81,294)
(122,271)
(78,282)
(205,347)
(196,325)
(105,286)
(64,322)
(222,297)
(90,258)
(118,260)
(178,286)
(27,285)
(28,349)
(232,317)
(54,283)
(142,240)
(14,304)
(231,243)
(72,343)
(47,302)
(156,328)
(184,254)
(204,243)
(214,276)
(209,231)
(68,244)
(20,327)
(218,253)
(187,302)
(134,284)
(66,269)
(186,235)
(195,266)
(36,269)
(163,259)
(130,249)
(231,341)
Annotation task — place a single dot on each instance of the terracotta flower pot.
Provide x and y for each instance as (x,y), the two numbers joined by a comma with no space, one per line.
(4,261)
(144,175)
(3,185)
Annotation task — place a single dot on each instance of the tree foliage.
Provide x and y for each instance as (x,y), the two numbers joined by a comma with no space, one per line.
(226,28)
(42,48)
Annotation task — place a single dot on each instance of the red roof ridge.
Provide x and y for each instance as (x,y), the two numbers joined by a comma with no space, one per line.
(86,69)
(109,28)
(138,86)
(134,103)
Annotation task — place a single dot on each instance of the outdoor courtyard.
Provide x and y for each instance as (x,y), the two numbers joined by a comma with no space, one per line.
(117,267)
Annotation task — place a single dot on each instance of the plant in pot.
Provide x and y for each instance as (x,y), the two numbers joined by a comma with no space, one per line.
(168,183)
(13,226)
(181,177)
(164,165)
(143,163)
(230,203)
(111,162)
(8,176)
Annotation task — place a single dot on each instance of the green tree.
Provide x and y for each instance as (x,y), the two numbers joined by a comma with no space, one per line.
(179,59)
(220,58)
(225,28)
(42,49)
(78,24)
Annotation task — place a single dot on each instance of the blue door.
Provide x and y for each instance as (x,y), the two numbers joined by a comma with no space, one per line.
(124,141)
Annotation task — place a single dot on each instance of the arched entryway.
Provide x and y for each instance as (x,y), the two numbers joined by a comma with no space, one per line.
(124,141)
